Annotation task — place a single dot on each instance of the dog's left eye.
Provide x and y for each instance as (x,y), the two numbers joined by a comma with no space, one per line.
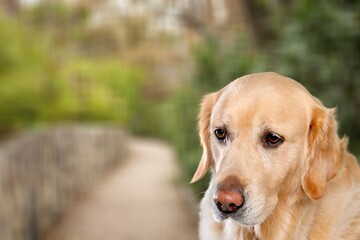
(273,140)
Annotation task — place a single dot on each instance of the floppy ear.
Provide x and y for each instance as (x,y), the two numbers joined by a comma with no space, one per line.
(207,106)
(324,153)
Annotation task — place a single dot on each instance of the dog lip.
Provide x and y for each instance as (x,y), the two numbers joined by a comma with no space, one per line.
(219,216)
(237,217)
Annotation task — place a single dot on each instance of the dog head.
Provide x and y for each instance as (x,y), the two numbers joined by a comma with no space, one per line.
(265,135)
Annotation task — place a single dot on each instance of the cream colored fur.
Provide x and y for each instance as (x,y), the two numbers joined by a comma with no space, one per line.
(306,188)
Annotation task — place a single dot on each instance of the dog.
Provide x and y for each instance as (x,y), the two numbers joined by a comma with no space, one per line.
(279,168)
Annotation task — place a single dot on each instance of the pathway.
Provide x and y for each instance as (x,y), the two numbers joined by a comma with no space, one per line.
(141,200)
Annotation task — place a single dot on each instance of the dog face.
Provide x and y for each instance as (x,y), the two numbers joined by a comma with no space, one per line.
(265,136)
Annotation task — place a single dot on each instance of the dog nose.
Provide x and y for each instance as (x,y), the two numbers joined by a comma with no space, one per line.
(228,201)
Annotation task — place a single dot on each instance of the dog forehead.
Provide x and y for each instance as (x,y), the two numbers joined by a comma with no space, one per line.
(268,94)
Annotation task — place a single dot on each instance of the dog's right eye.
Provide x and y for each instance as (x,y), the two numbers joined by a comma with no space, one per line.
(220,134)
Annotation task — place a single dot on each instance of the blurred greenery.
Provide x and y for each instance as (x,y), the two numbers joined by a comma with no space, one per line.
(40,84)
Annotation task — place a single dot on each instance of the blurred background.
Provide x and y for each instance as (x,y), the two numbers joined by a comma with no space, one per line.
(79,78)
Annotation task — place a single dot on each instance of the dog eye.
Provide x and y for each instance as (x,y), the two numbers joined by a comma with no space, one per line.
(220,134)
(273,140)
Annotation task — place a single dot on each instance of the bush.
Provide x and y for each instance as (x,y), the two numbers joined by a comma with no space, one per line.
(41,84)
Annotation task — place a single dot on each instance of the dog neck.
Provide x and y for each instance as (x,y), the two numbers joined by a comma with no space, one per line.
(284,220)
(295,217)
(288,213)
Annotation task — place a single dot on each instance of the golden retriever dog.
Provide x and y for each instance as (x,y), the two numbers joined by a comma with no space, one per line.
(279,169)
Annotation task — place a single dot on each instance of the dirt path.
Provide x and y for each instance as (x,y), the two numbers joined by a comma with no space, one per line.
(140,200)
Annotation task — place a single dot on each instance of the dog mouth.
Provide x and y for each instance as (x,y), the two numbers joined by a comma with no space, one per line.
(240,217)
(246,215)
(221,216)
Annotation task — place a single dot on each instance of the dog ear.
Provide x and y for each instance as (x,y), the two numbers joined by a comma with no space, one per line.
(324,152)
(206,108)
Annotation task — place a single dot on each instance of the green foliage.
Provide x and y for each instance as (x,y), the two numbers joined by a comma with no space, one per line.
(218,64)
(38,87)
(102,89)
(183,131)
(21,66)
